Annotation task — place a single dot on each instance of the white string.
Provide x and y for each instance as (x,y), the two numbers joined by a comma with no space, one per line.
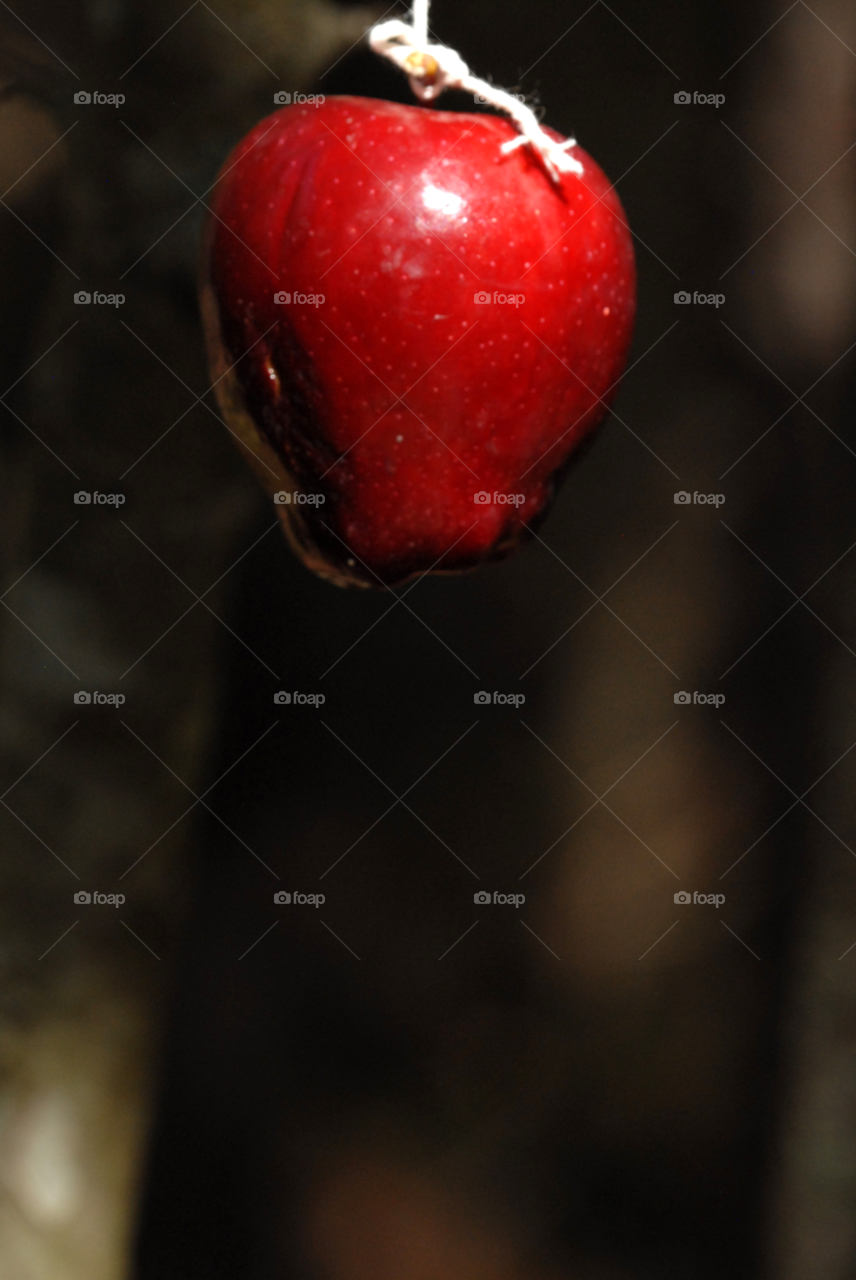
(419,18)
(432,68)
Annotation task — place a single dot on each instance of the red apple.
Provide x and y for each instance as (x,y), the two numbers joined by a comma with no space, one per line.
(455,326)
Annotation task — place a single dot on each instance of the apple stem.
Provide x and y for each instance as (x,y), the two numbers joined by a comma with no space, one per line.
(432,68)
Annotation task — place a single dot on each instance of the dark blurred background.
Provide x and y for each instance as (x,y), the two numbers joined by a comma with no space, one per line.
(399,1085)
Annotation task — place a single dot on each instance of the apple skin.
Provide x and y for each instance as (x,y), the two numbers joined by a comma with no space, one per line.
(403,394)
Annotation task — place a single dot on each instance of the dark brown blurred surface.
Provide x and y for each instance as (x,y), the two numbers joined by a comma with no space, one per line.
(602,1083)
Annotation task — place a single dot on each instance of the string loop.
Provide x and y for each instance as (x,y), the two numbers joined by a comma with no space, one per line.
(431,68)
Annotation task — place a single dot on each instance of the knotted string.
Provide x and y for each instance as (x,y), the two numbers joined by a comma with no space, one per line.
(432,68)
